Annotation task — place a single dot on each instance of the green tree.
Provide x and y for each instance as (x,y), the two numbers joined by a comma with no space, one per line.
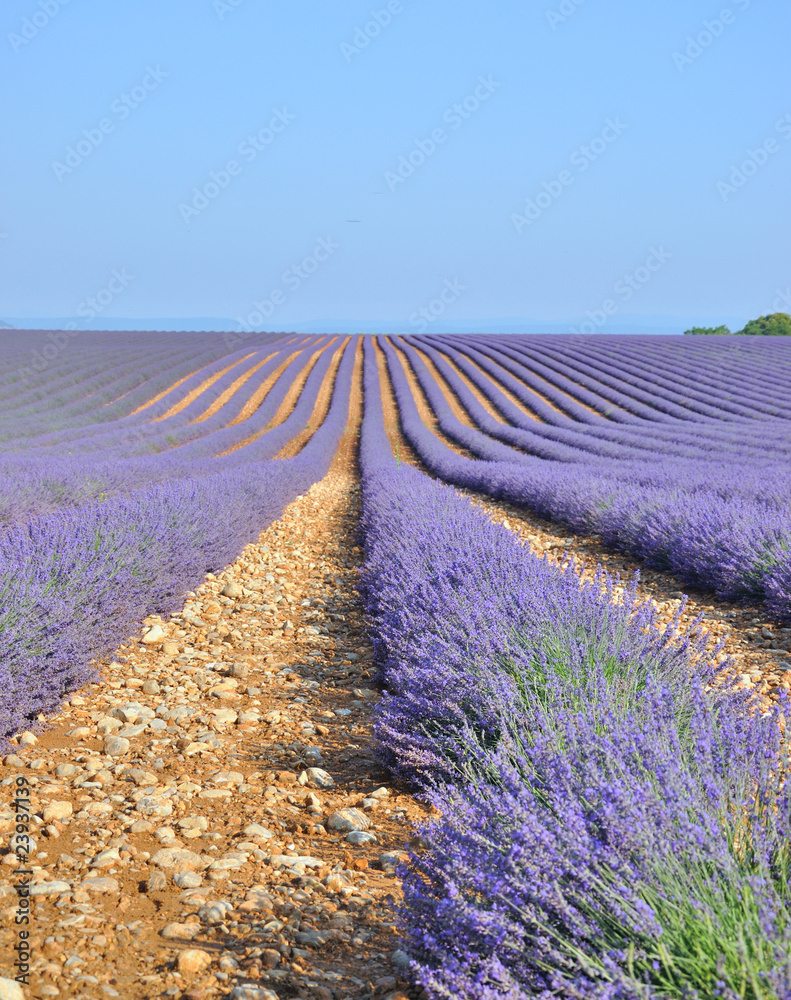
(774,325)
(707,331)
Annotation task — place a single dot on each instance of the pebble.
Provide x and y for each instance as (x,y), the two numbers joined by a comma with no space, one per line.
(315,777)
(194,823)
(10,990)
(246,991)
(359,837)
(214,913)
(180,932)
(106,859)
(169,857)
(192,961)
(157,882)
(57,810)
(13,760)
(116,746)
(141,826)
(187,880)
(108,885)
(256,830)
(313,939)
(151,806)
(400,959)
(348,819)
(154,635)
(49,888)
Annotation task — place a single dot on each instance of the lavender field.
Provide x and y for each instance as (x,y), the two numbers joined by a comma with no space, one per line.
(613,808)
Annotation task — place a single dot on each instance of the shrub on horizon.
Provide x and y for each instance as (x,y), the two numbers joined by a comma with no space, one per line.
(707,331)
(773,325)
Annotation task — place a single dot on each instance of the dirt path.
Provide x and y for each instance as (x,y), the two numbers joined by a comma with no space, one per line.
(184,845)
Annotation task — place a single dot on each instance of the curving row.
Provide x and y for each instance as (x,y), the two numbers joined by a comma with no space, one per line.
(707,499)
(119,530)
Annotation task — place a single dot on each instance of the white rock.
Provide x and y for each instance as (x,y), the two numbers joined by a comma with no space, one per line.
(151,805)
(154,635)
(106,885)
(192,961)
(49,888)
(227,864)
(348,819)
(188,880)
(246,991)
(228,778)
(57,810)
(194,823)
(116,746)
(256,830)
(181,932)
(225,716)
(169,857)
(10,990)
(358,837)
(106,859)
(315,777)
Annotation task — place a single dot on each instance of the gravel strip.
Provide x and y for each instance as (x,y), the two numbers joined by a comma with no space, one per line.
(210,820)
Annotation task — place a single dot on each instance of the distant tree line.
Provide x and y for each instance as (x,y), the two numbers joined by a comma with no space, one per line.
(774,325)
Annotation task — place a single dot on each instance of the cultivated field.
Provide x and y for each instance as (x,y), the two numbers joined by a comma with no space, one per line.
(270,613)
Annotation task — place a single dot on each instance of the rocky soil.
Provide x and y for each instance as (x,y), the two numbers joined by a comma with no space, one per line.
(210,819)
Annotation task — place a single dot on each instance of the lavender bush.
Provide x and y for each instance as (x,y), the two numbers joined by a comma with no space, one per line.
(613,824)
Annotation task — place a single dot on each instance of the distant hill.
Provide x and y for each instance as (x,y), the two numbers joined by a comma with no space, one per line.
(191,324)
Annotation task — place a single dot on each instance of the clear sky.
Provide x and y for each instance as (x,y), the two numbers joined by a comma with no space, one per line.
(309,162)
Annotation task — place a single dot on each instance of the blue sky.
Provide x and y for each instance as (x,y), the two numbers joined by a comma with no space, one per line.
(557,163)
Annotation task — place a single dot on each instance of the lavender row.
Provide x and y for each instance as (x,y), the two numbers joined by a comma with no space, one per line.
(151,372)
(93,415)
(710,440)
(737,549)
(577,351)
(737,393)
(33,485)
(545,440)
(684,404)
(591,788)
(74,585)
